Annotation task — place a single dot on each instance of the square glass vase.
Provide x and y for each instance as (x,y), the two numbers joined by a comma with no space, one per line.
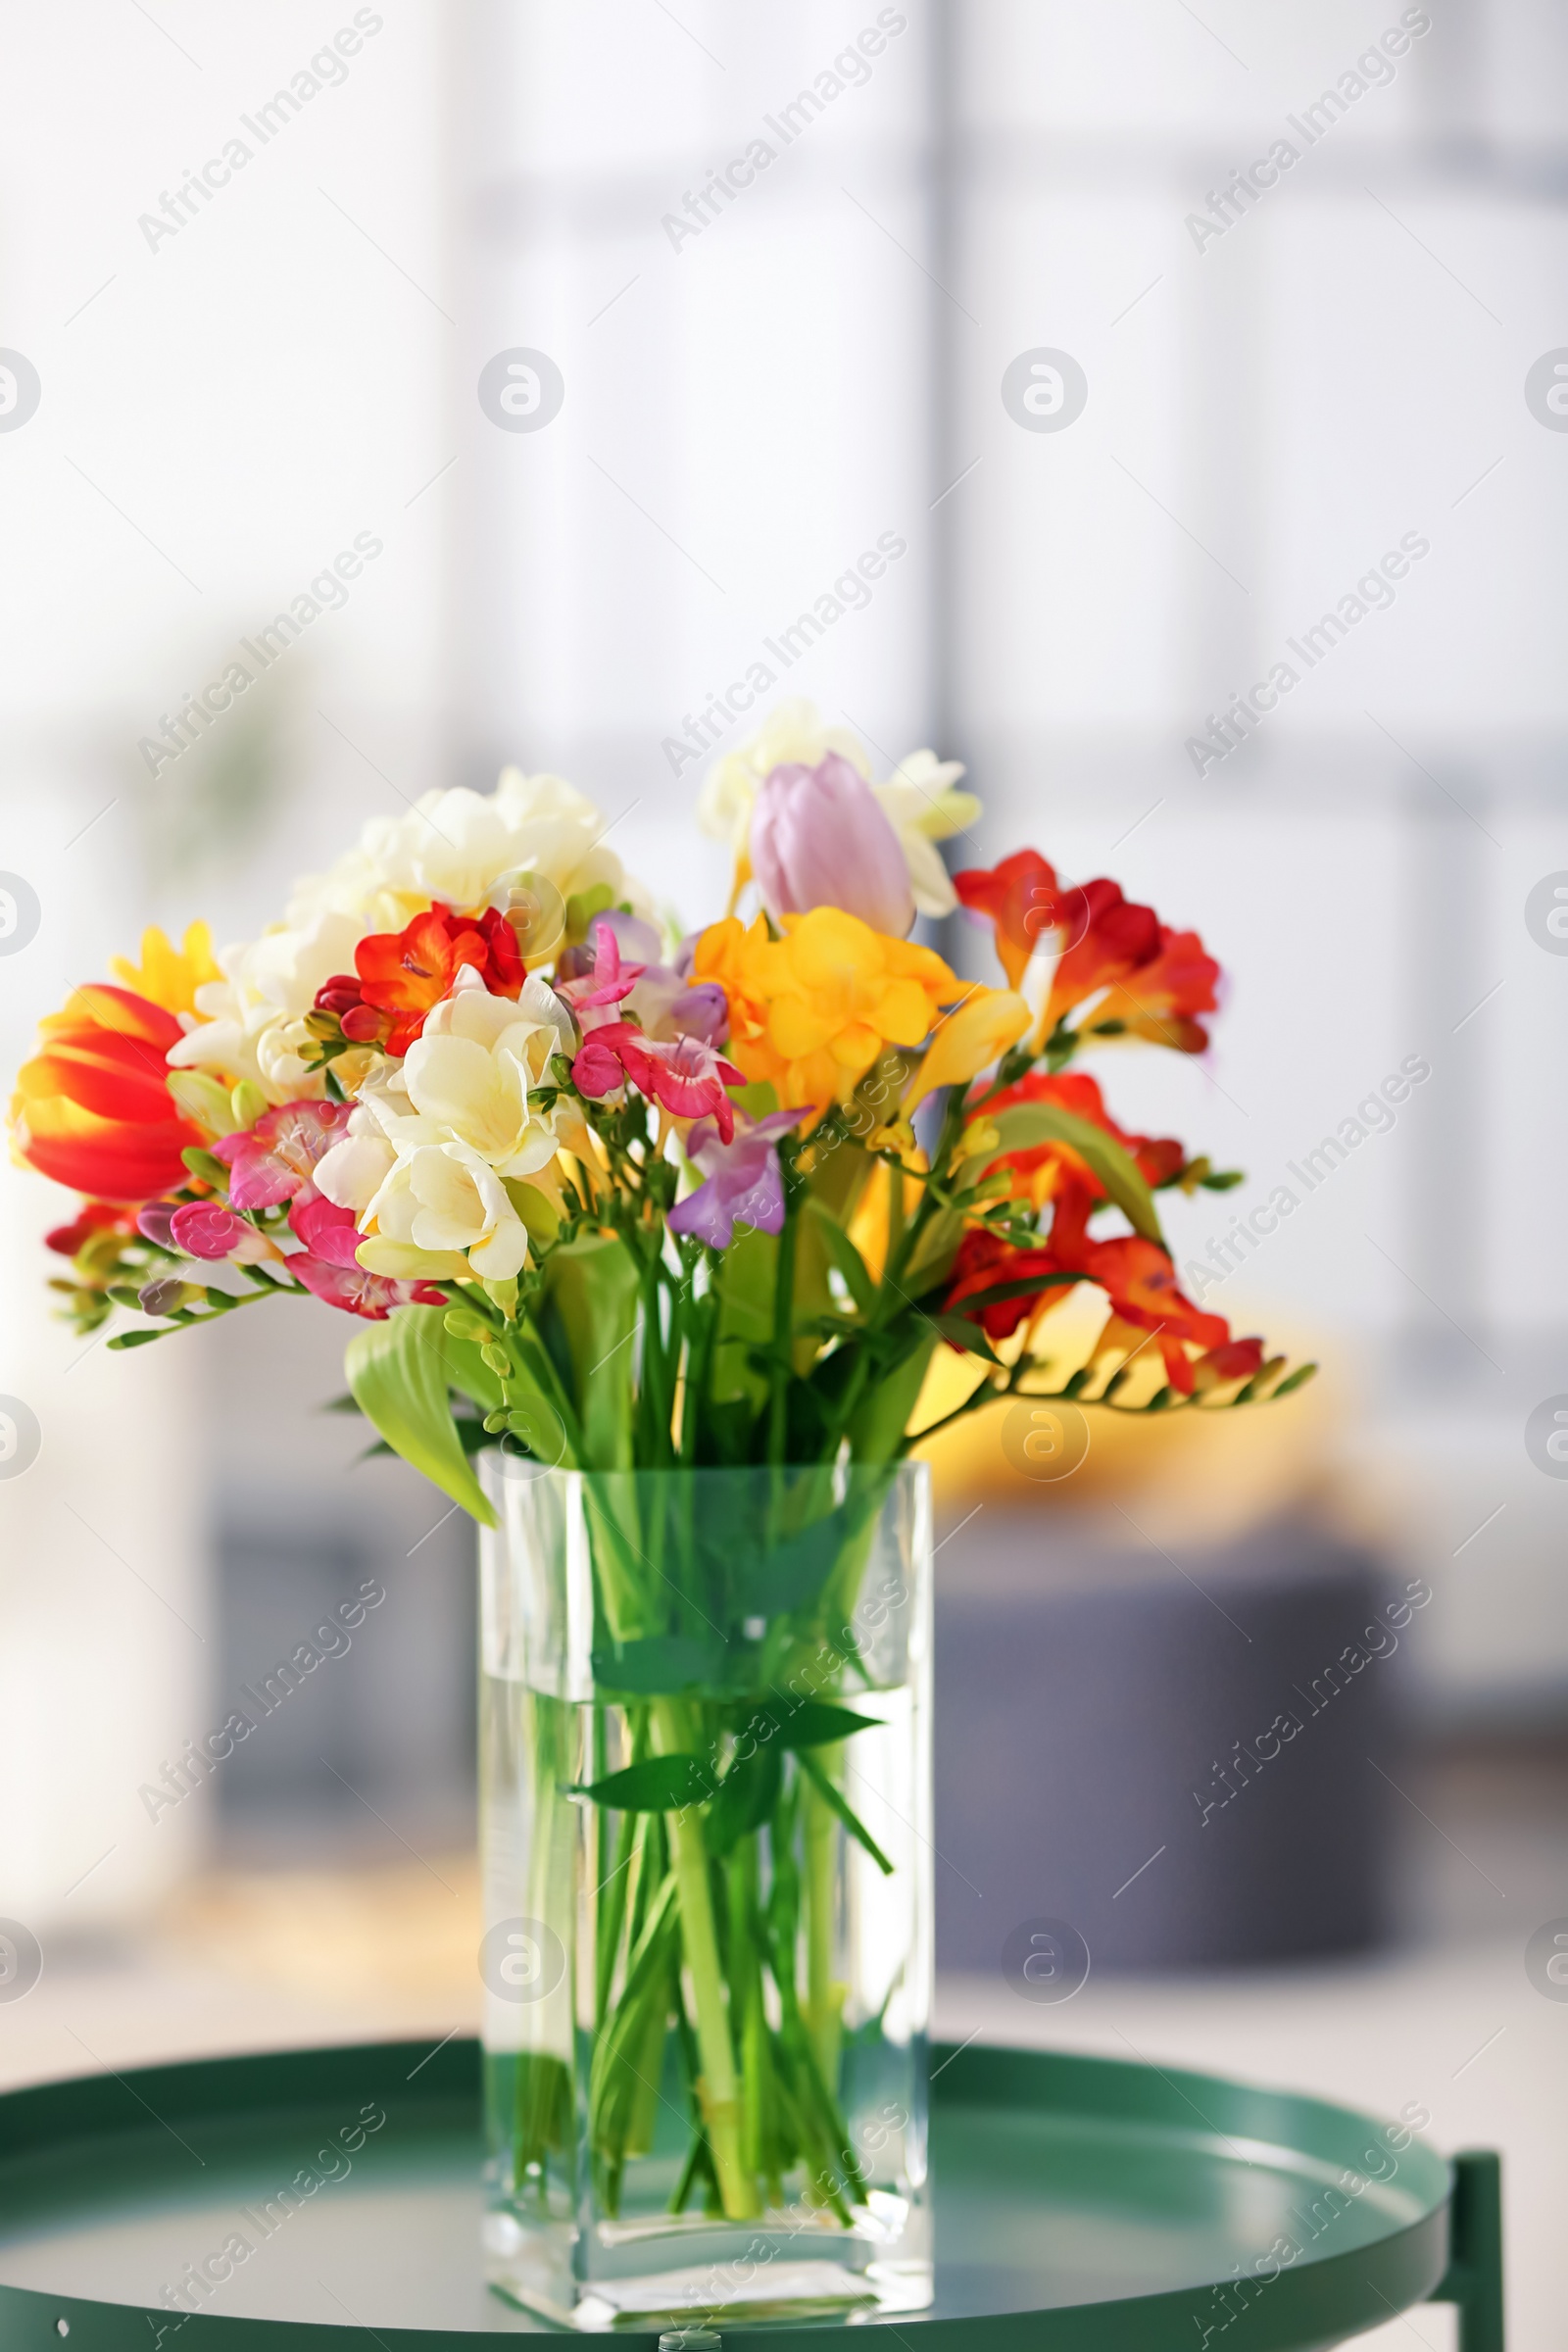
(706,1845)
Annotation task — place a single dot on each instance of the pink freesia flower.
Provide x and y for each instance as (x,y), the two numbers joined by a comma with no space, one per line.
(745,1184)
(660,996)
(603,980)
(684,1076)
(820,839)
(269,1162)
(597,1072)
(349,1287)
(207,1229)
(327,1230)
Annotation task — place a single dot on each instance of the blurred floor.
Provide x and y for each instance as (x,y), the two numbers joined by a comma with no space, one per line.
(381,1949)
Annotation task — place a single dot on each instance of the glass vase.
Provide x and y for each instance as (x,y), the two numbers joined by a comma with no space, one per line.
(706,1795)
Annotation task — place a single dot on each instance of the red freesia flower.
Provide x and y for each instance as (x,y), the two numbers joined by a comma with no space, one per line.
(985,1261)
(93,1216)
(1138,1278)
(1053,1172)
(1022,899)
(1156,978)
(1158,999)
(92,1108)
(404,973)
(1139,1281)
(1234,1360)
(1115,939)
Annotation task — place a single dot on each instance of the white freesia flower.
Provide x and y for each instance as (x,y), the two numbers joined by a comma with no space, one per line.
(432,1138)
(471,1077)
(918,799)
(250,1023)
(444,1200)
(922,806)
(471,1012)
(454,846)
(354,1171)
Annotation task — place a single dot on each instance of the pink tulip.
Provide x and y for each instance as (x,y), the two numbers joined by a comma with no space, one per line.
(819,839)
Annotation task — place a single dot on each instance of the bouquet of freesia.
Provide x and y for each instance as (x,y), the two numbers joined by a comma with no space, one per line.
(615,1200)
(663,1203)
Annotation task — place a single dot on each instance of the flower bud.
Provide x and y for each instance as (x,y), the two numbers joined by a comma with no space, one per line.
(819,838)
(168,1295)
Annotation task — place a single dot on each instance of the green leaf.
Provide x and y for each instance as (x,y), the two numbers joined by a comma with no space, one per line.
(811,1294)
(593,1285)
(206,1165)
(540,1217)
(466,1368)
(1026,1124)
(877,1429)
(657,1785)
(746,1798)
(661,1665)
(840,1170)
(966,1334)
(845,1255)
(793,1572)
(759,1100)
(837,1802)
(398,1371)
(746,1275)
(811,1722)
(1027,1286)
(1292,1380)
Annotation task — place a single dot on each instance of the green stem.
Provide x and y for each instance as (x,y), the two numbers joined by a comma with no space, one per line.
(721,2089)
(823,1996)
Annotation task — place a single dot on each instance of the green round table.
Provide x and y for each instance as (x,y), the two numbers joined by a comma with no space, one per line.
(1082,2205)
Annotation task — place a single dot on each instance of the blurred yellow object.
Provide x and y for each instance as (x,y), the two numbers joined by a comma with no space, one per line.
(1186,1475)
(409,1929)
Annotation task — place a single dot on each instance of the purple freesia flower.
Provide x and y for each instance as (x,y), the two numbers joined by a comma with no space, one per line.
(745,1184)
(819,838)
(701,1011)
(153,1222)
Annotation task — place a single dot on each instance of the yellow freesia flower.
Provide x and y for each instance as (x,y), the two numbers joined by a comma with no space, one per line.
(168,975)
(987,1022)
(813,1010)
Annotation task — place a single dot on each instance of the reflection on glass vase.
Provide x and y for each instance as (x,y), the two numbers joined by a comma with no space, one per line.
(705,1786)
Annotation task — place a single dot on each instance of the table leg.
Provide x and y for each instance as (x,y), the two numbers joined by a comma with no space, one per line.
(1474,2276)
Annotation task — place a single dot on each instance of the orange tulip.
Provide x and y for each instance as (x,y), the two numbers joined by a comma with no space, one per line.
(92,1108)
